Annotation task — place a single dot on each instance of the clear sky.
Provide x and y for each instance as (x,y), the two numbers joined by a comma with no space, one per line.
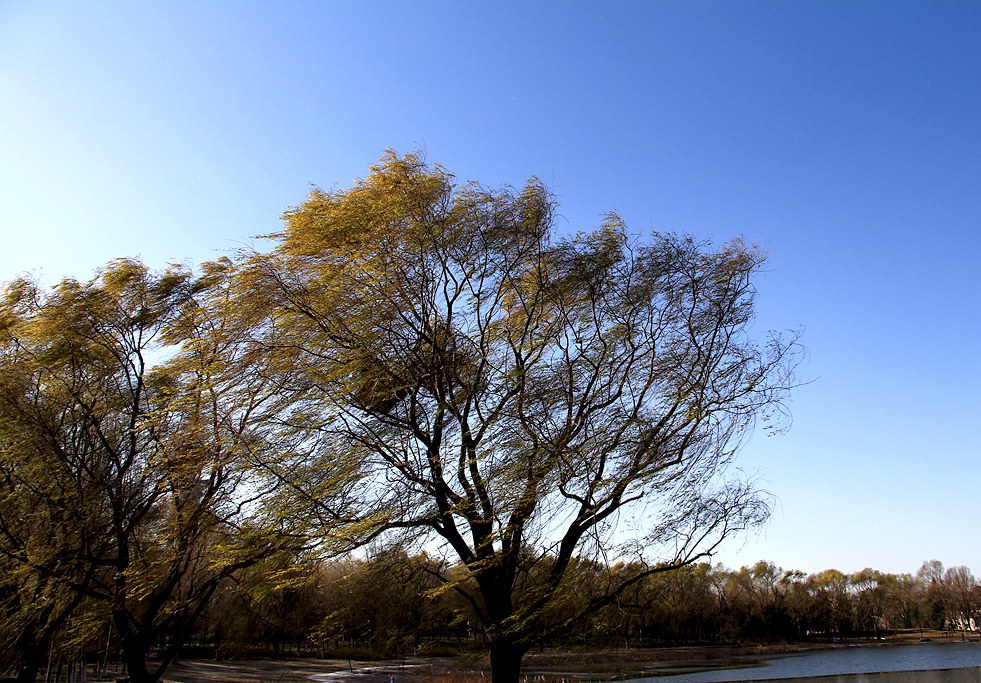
(843,135)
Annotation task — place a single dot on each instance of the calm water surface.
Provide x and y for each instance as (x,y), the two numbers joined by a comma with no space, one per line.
(922,663)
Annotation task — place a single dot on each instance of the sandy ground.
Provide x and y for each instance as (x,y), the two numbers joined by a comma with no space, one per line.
(295,670)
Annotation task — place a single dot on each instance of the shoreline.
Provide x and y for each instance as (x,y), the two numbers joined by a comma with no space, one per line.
(538,667)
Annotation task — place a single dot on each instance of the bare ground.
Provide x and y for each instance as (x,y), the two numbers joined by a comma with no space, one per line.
(539,667)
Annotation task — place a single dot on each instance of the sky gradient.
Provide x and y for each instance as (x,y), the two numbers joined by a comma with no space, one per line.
(845,137)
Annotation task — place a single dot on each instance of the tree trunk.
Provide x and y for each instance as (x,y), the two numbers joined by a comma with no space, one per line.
(31,647)
(30,667)
(135,652)
(505,658)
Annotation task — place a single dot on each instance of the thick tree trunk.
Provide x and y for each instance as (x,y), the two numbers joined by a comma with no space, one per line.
(505,658)
(136,648)
(31,646)
(30,668)
(136,668)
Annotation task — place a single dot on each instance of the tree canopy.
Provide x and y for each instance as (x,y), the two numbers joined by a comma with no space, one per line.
(124,461)
(525,397)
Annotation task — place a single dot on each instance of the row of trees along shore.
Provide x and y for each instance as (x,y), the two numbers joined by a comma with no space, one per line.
(390,603)
(386,603)
(413,363)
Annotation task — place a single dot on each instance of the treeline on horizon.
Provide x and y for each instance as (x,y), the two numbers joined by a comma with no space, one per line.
(392,603)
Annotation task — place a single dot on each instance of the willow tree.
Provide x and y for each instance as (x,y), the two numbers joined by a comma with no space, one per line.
(124,451)
(526,398)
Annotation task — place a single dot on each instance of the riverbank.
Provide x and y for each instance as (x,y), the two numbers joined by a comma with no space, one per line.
(538,667)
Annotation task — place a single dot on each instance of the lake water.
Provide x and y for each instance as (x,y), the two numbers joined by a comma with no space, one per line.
(922,663)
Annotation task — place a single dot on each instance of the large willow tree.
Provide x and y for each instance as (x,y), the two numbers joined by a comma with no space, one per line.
(527,398)
(124,458)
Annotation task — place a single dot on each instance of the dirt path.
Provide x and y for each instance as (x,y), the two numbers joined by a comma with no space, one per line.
(295,670)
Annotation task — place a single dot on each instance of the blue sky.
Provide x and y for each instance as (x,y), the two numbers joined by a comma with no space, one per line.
(843,136)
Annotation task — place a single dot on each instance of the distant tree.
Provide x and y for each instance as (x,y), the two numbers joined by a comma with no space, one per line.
(683,602)
(763,590)
(935,603)
(870,599)
(903,590)
(832,602)
(796,601)
(277,602)
(390,601)
(517,394)
(960,586)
